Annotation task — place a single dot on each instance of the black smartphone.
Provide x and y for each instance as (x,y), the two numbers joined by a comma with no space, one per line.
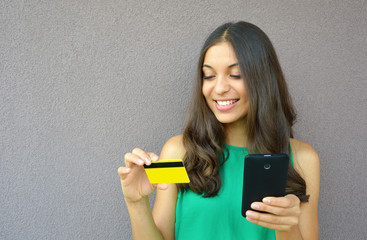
(265,175)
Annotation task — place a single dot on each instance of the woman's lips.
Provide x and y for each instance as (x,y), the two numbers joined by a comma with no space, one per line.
(225,105)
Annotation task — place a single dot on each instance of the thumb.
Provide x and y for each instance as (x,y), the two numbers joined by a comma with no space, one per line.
(162,186)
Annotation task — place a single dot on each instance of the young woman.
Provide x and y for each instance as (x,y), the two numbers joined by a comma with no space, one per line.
(241,106)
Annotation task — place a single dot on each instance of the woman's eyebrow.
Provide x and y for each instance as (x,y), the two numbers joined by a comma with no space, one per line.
(230,66)
(208,66)
(233,65)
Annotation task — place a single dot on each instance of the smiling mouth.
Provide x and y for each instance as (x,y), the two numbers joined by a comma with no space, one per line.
(226,103)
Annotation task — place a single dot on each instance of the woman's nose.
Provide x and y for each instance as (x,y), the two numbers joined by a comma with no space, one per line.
(222,85)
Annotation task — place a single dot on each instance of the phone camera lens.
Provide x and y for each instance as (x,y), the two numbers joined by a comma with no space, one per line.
(267,166)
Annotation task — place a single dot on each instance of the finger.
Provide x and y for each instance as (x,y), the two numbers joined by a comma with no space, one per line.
(143,155)
(285,202)
(294,199)
(259,206)
(123,172)
(162,186)
(131,158)
(271,218)
(153,156)
(277,227)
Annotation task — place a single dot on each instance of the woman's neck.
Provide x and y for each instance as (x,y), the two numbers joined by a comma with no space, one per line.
(236,134)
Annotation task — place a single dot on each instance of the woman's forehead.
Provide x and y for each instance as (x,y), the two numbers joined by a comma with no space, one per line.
(221,55)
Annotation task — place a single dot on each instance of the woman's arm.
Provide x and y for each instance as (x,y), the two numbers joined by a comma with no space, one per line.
(164,211)
(307,164)
(136,188)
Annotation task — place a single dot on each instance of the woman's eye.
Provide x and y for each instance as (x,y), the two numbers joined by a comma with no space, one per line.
(235,76)
(208,77)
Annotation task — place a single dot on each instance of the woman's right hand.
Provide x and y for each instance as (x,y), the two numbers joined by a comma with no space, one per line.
(134,181)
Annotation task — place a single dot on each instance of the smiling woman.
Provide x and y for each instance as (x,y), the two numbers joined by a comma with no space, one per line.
(223,87)
(241,105)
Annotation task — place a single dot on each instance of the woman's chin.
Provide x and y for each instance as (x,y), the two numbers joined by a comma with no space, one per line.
(231,119)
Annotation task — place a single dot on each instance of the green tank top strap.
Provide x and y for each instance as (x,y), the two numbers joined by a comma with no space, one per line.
(291,154)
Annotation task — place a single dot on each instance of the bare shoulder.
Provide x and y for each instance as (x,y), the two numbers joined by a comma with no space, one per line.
(174,148)
(305,157)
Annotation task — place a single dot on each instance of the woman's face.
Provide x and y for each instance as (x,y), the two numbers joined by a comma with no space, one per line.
(223,87)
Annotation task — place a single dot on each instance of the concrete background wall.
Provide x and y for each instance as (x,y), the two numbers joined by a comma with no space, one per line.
(83,82)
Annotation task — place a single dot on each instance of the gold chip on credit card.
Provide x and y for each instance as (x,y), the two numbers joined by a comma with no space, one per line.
(167,171)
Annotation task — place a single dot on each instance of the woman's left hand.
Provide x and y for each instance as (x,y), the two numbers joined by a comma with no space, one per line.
(285,212)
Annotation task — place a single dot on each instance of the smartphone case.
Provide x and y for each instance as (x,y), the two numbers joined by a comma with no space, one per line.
(265,175)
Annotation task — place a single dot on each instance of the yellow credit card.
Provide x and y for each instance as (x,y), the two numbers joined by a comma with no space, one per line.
(167,171)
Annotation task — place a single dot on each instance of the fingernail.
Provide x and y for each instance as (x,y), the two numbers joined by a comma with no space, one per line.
(147,161)
(266,200)
(255,206)
(155,158)
(140,161)
(249,214)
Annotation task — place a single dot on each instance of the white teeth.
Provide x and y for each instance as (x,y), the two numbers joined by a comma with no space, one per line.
(224,103)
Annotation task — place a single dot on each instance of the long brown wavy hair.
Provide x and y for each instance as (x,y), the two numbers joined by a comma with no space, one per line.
(269,120)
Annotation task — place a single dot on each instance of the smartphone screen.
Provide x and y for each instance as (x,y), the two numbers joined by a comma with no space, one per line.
(265,175)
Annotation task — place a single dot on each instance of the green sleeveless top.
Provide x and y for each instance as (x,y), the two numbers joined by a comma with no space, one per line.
(219,217)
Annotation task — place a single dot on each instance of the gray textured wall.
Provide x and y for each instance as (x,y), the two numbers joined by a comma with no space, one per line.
(83,82)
